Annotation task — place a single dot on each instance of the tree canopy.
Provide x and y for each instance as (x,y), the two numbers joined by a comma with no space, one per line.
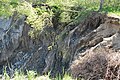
(40,13)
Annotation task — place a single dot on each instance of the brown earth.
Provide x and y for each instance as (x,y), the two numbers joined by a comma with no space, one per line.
(102,60)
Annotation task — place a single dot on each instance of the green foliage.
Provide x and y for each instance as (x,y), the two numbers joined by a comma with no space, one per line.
(67,77)
(112,6)
(32,75)
(7,7)
(36,17)
(19,75)
(61,11)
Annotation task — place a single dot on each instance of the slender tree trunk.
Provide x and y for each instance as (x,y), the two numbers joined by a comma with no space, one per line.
(101,5)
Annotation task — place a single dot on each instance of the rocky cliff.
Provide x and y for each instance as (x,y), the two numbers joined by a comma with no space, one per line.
(85,50)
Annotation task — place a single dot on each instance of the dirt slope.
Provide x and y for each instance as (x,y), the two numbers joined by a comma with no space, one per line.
(102,60)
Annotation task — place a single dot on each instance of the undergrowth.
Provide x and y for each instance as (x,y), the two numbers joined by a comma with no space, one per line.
(32,75)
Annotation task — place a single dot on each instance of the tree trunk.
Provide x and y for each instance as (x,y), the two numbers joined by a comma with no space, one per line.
(101,5)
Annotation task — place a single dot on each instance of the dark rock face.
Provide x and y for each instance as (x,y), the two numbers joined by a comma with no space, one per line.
(9,40)
(54,50)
